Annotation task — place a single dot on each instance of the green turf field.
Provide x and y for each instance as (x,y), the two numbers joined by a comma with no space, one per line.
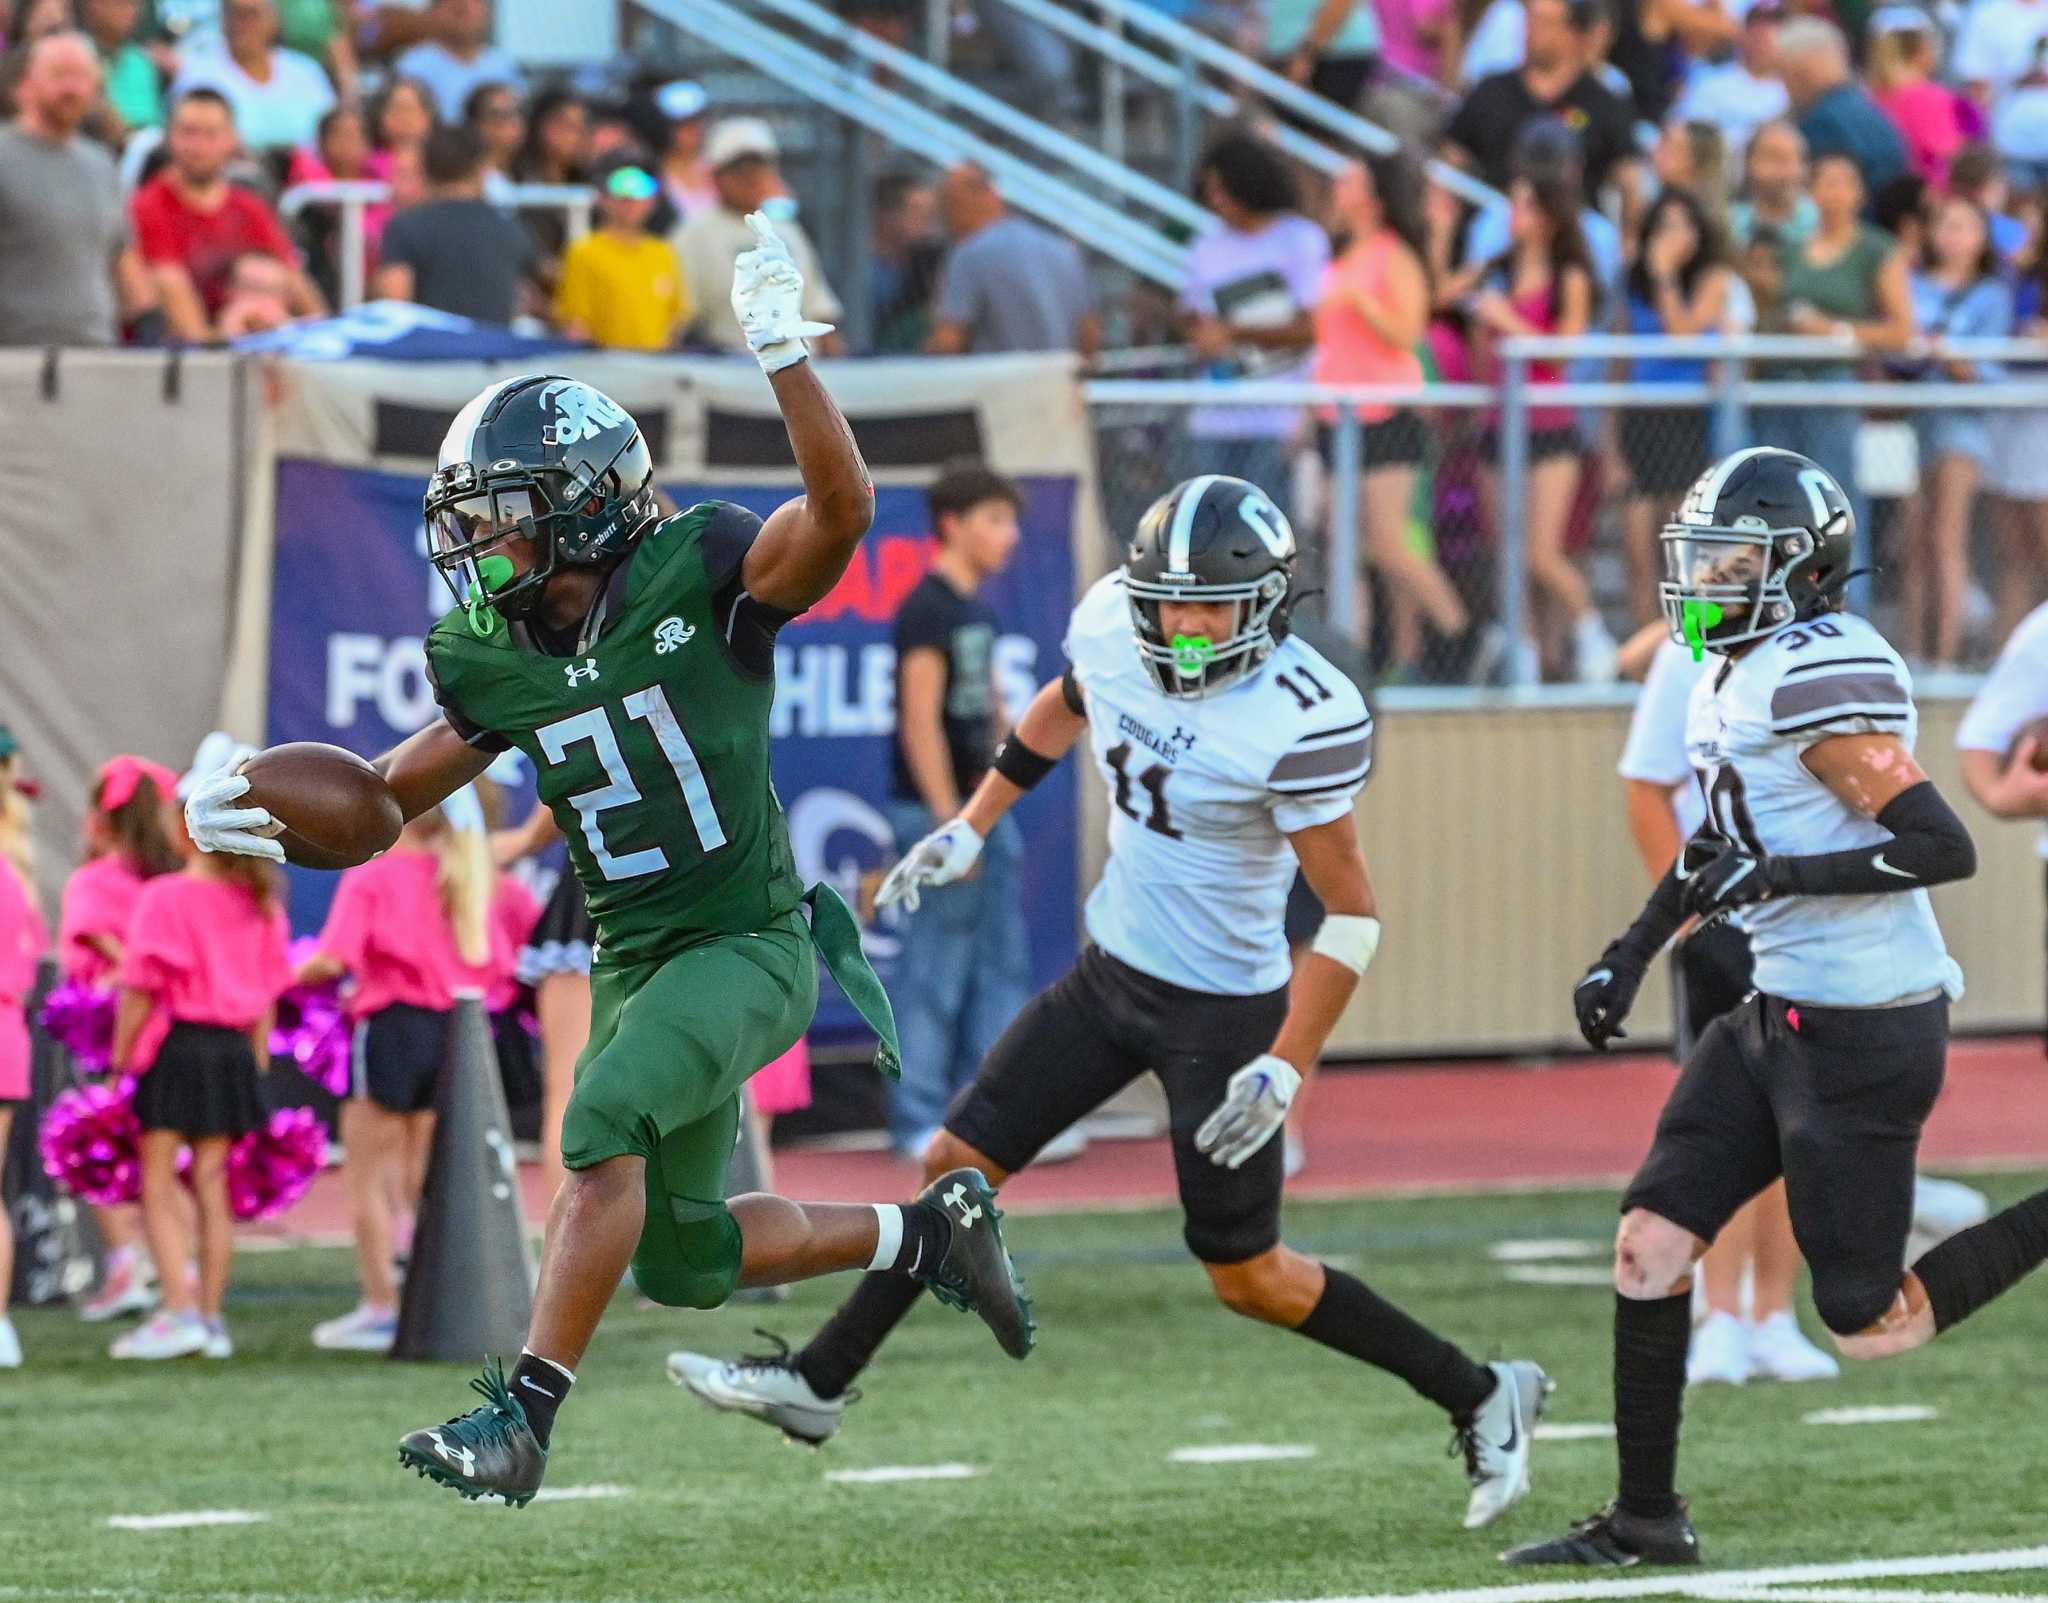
(1075,1497)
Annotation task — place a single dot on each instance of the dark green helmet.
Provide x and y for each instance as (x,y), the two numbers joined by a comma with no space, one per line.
(541,459)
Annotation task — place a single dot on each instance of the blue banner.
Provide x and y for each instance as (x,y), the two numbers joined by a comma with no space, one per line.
(354,595)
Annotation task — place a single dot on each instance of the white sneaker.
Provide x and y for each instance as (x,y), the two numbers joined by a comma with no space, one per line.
(766,1388)
(10,1345)
(1942,1208)
(1720,1352)
(1497,1441)
(1069,1144)
(1595,655)
(127,1291)
(364,1330)
(219,1344)
(165,1336)
(1779,1350)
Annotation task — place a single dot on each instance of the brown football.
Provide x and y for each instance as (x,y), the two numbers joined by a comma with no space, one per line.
(2038,732)
(335,809)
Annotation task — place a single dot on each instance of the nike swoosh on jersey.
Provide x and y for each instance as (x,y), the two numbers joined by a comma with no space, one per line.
(1883,867)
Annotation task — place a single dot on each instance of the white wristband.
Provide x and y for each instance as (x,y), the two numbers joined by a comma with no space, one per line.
(783,353)
(1348,939)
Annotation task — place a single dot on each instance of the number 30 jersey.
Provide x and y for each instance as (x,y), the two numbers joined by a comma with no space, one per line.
(1203,794)
(1748,725)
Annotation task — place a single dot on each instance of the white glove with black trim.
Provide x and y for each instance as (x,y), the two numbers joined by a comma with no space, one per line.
(217,825)
(1254,1108)
(940,858)
(768,299)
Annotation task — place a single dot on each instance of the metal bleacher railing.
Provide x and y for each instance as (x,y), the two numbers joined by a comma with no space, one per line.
(1177,62)
(1070,201)
(1729,396)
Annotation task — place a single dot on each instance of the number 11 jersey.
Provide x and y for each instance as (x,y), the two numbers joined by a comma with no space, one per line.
(1203,794)
(1748,727)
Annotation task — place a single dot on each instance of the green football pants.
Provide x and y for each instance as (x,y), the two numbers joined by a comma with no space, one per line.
(671,1043)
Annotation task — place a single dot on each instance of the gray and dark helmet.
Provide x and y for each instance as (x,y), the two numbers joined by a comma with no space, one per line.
(1212,538)
(551,459)
(1763,537)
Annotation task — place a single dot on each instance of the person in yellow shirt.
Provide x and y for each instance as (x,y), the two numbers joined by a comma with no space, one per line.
(621,286)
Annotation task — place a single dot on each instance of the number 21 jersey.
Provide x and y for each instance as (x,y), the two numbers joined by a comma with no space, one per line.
(1749,724)
(1203,794)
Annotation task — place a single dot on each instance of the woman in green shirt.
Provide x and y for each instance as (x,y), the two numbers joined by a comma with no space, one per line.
(1847,280)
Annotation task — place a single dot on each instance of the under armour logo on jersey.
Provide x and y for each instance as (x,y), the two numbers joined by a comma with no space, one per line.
(956,1199)
(670,634)
(578,674)
(461,1457)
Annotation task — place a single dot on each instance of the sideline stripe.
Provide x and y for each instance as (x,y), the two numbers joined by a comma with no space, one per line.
(881,1474)
(1880,1414)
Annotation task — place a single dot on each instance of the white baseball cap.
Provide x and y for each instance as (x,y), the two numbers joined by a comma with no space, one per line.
(739,137)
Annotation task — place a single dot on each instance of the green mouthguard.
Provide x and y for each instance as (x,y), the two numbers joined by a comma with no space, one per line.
(1697,617)
(1191,654)
(493,574)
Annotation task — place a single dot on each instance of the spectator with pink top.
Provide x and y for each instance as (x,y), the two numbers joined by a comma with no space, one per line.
(1901,63)
(23,937)
(203,967)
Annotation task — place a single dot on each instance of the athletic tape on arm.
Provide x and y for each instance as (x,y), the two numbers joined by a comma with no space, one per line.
(1349,939)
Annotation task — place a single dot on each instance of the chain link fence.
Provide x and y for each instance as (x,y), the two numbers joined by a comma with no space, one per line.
(1459,535)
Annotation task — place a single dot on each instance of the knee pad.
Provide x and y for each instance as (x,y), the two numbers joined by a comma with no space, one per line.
(689,1258)
(1852,1300)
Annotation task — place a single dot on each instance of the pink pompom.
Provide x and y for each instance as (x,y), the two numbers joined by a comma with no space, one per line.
(91,1143)
(80,1018)
(271,1168)
(311,1030)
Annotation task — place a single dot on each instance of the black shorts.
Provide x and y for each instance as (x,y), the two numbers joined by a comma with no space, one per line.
(1076,1045)
(562,941)
(1833,1100)
(1665,448)
(1710,972)
(1398,441)
(202,1084)
(1544,444)
(399,1051)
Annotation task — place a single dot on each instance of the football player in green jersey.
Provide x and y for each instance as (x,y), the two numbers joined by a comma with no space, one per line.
(630,657)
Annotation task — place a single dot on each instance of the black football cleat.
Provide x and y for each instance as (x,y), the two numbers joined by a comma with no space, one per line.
(975,1274)
(488,1452)
(1617,1539)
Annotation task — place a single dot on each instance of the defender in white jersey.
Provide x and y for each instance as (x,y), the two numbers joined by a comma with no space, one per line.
(1231,751)
(1823,831)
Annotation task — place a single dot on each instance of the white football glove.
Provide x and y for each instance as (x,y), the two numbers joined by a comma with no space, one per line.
(217,825)
(768,297)
(1252,1112)
(940,858)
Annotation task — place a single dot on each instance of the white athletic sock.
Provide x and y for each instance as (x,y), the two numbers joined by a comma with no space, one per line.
(888,1235)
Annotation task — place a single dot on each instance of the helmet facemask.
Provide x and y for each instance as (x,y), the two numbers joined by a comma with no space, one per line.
(1730,581)
(1193,666)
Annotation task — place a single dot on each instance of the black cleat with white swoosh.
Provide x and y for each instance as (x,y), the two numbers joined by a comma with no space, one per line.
(974,1273)
(1617,1539)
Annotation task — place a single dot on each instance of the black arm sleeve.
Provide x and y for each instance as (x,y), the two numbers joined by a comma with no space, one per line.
(748,626)
(1070,693)
(1929,846)
(1639,945)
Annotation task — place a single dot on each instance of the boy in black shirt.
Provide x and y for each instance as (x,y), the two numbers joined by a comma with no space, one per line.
(965,966)
(1555,80)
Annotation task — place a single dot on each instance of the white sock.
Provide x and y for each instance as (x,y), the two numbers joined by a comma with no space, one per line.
(888,1235)
(560,1369)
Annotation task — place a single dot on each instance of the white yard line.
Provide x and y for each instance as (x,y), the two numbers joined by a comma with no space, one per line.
(580,1494)
(1851,1594)
(1560,1274)
(1691,1583)
(1241,1453)
(1589,1431)
(1881,1414)
(1540,1247)
(882,1474)
(178,1522)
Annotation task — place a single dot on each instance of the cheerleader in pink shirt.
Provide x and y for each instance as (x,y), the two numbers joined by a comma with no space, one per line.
(23,937)
(413,931)
(129,840)
(204,964)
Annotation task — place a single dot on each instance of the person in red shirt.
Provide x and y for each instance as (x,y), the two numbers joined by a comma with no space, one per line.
(192,225)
